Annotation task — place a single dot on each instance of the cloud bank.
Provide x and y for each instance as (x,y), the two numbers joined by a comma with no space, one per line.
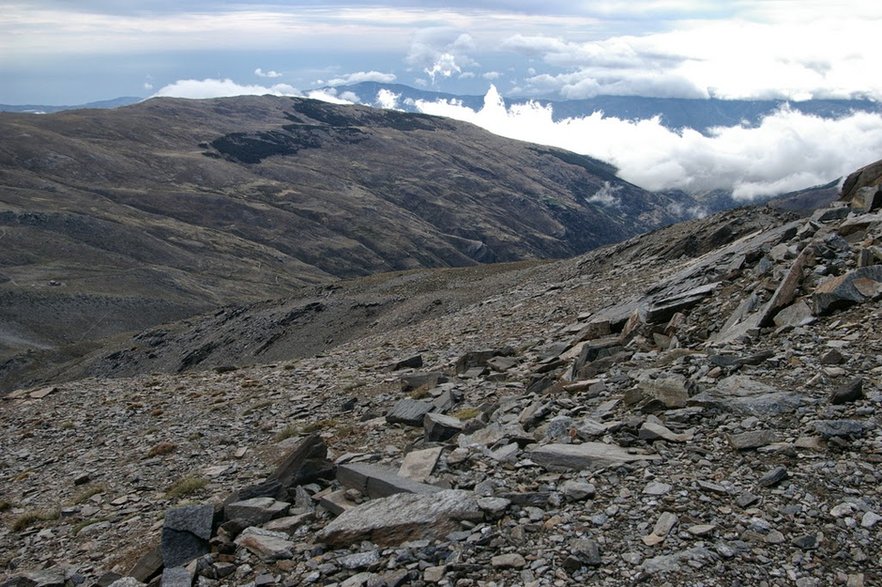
(787,151)
(358,77)
(221,88)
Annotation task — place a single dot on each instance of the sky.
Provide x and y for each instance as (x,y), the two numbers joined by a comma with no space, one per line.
(71,52)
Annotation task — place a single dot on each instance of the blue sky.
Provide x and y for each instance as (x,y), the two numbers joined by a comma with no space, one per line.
(61,52)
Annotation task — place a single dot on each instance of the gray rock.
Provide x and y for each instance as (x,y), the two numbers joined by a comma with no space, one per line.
(831,428)
(412,362)
(268,545)
(419,464)
(439,427)
(185,534)
(670,390)
(360,560)
(587,455)
(849,392)
(255,511)
(846,290)
(743,395)
(752,439)
(773,477)
(583,553)
(493,505)
(176,577)
(402,517)
(796,314)
(654,431)
(409,412)
(304,463)
(656,488)
(577,490)
(508,561)
(376,481)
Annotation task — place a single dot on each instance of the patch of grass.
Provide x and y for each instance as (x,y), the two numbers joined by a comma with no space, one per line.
(286,432)
(320,425)
(186,486)
(421,392)
(31,517)
(467,413)
(161,449)
(5,505)
(86,493)
(67,425)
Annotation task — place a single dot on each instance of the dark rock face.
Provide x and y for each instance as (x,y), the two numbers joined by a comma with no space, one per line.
(185,534)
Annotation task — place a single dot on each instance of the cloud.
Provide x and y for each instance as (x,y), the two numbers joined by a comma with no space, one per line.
(148,86)
(441,52)
(360,76)
(787,151)
(330,95)
(772,54)
(271,73)
(491,75)
(220,88)
(387,99)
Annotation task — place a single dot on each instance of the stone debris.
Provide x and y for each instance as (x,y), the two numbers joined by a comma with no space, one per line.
(698,406)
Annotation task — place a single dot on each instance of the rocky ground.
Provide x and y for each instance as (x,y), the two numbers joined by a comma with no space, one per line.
(698,406)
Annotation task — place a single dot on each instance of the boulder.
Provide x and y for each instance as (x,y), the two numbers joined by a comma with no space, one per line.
(842,291)
(409,412)
(376,481)
(255,511)
(268,545)
(439,427)
(403,517)
(587,455)
(185,534)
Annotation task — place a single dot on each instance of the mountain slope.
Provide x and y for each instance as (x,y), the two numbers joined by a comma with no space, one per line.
(115,220)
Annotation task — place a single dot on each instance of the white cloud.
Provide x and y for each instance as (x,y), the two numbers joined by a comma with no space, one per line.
(445,66)
(330,95)
(270,74)
(220,88)
(360,76)
(787,151)
(491,75)
(441,52)
(783,56)
(387,99)
(148,86)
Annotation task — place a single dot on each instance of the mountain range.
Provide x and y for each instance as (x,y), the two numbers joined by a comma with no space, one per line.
(117,220)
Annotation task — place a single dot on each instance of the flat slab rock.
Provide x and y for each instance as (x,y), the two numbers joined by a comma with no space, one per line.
(403,517)
(587,455)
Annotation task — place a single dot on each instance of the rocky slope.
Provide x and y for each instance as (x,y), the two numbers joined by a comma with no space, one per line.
(113,221)
(697,406)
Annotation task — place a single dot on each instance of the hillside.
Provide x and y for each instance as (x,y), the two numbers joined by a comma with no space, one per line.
(695,406)
(113,221)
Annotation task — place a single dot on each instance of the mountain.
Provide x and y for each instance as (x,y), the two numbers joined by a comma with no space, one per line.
(45,109)
(117,220)
(674,113)
(699,405)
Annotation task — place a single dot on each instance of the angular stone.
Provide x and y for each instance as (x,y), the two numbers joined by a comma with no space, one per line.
(652,431)
(305,463)
(402,517)
(493,505)
(439,427)
(786,291)
(831,428)
(583,553)
(508,561)
(414,380)
(840,292)
(360,560)
(268,545)
(577,490)
(744,395)
(669,390)
(412,362)
(702,529)
(752,439)
(176,577)
(434,574)
(409,412)
(336,502)
(773,477)
(376,481)
(850,392)
(796,314)
(255,511)
(148,566)
(419,464)
(478,359)
(656,488)
(870,519)
(587,455)
(288,524)
(185,534)
(665,523)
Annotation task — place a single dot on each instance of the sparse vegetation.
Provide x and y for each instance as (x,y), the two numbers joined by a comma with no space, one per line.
(467,413)
(186,486)
(5,505)
(420,392)
(161,449)
(78,527)
(86,493)
(31,517)
(286,432)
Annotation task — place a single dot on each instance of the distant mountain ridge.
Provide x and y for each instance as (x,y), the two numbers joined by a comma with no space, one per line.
(46,109)
(675,113)
(117,220)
